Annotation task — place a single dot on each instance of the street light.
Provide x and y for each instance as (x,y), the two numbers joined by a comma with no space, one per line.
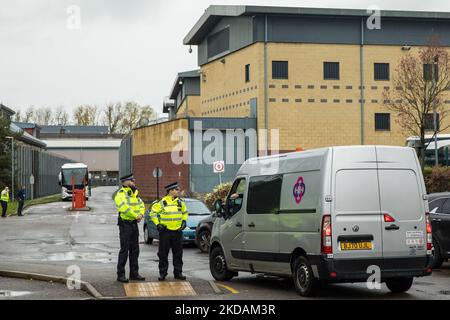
(12,166)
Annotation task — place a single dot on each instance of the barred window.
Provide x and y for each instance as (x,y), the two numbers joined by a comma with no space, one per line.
(429,122)
(331,70)
(382,121)
(428,71)
(280,70)
(381,71)
(247,73)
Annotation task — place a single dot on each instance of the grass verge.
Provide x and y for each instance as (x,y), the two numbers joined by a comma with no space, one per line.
(12,206)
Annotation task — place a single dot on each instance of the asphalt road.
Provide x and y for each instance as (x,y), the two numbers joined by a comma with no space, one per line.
(51,240)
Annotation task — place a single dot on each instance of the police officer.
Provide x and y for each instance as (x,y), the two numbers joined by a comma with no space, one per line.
(4,199)
(171,222)
(131,211)
(21,195)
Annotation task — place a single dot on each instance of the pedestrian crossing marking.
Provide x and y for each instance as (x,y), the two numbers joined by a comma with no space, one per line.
(159,289)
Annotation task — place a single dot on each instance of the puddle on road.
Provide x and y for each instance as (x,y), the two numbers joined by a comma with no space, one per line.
(102,257)
(8,294)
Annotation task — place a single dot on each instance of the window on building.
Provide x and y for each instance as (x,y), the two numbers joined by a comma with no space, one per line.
(218,42)
(247,73)
(382,121)
(331,70)
(280,70)
(429,122)
(264,194)
(381,71)
(428,72)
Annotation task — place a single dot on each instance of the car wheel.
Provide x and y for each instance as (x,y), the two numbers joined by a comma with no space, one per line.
(398,285)
(305,282)
(147,238)
(437,257)
(203,241)
(218,265)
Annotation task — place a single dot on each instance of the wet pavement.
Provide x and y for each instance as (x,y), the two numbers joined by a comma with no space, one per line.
(53,241)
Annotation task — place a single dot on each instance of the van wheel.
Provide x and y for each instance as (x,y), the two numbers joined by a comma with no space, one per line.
(147,238)
(305,283)
(398,285)
(218,265)
(437,258)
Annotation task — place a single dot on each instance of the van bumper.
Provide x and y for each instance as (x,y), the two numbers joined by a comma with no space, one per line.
(356,270)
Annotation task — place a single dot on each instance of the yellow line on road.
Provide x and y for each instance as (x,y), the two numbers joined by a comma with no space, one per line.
(234,291)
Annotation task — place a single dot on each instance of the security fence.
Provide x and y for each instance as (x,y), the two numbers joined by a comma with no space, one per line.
(42,165)
(125,156)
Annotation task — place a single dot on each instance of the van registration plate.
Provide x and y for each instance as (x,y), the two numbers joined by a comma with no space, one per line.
(359,245)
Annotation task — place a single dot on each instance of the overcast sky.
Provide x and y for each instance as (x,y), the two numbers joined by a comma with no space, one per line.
(124,50)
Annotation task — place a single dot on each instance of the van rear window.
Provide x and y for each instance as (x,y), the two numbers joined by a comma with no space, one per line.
(264,194)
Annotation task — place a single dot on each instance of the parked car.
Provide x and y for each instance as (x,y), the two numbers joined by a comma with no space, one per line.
(197,211)
(439,204)
(204,229)
(326,215)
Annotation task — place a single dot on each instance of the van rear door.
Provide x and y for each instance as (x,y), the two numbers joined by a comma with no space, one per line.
(401,198)
(356,218)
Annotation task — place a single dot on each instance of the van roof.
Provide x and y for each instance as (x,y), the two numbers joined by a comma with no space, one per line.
(287,162)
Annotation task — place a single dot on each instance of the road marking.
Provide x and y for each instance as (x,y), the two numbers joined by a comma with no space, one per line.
(159,289)
(233,291)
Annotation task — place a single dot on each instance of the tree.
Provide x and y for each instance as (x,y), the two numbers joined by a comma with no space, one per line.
(113,116)
(133,113)
(86,115)
(5,148)
(61,117)
(18,116)
(29,114)
(43,116)
(416,93)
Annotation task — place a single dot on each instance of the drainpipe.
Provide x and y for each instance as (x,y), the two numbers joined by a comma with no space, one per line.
(266,87)
(361,68)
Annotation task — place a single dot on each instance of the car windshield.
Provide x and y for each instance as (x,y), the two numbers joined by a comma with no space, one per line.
(197,208)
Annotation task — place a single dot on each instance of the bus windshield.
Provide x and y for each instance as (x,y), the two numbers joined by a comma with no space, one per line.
(79,175)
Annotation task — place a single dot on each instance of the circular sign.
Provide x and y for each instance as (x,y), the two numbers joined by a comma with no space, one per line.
(157,173)
(31,179)
(219,166)
(299,190)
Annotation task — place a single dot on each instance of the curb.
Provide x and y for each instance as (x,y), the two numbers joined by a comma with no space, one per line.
(85,286)
(216,289)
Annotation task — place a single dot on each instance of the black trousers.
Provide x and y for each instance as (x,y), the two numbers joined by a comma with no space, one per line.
(170,240)
(20,207)
(129,247)
(4,207)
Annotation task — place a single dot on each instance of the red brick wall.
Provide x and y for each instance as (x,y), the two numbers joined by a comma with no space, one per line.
(143,167)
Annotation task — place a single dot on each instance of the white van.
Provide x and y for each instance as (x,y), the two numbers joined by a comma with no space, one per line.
(328,215)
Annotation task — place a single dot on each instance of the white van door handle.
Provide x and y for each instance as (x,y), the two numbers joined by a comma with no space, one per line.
(392,227)
(238,224)
(251,225)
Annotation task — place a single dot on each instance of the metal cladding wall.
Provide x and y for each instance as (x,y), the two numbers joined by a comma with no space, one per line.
(126,157)
(43,165)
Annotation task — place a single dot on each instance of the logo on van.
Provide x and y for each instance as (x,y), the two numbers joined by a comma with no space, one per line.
(299,190)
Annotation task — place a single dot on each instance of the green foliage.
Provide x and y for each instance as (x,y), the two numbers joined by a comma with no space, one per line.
(5,153)
(438,180)
(219,192)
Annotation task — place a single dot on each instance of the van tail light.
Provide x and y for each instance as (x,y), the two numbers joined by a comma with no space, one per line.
(429,235)
(326,244)
(388,218)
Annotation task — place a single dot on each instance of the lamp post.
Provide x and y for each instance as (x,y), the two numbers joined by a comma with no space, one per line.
(12,167)
(433,79)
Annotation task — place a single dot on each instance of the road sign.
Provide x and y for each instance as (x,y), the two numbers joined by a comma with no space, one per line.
(157,173)
(219,166)
(31,179)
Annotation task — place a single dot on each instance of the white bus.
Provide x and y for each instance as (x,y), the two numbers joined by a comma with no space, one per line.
(443,145)
(80,173)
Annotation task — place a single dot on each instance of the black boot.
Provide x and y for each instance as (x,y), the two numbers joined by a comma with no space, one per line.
(180,276)
(162,277)
(122,279)
(137,278)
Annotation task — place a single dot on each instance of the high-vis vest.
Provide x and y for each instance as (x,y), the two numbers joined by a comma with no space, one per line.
(129,205)
(172,212)
(5,196)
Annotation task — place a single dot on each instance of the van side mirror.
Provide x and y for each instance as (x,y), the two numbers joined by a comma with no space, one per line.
(218,207)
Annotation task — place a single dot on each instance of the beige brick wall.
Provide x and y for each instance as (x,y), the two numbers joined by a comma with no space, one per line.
(157,138)
(192,103)
(309,111)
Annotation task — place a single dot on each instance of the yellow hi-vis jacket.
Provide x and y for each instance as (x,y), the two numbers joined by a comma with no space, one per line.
(5,196)
(172,212)
(129,205)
